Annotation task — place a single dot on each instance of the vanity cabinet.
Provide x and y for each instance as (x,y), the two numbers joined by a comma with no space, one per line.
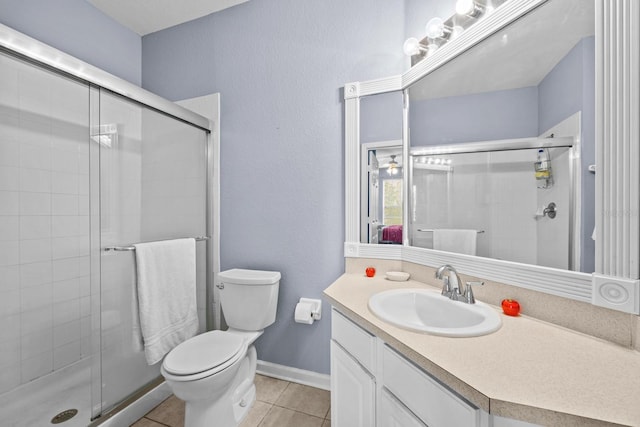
(368,377)
(374,385)
(353,390)
(353,386)
(393,413)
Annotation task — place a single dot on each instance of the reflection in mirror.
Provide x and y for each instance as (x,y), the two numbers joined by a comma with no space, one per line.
(490,203)
(381,202)
(382,187)
(529,80)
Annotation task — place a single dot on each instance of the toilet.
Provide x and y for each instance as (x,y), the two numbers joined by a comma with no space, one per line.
(214,372)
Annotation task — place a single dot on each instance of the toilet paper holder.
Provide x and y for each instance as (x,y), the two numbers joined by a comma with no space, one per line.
(316,307)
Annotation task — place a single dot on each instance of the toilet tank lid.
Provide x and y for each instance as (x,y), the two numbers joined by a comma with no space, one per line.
(240,276)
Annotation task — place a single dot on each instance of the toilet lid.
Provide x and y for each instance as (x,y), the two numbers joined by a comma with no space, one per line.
(202,353)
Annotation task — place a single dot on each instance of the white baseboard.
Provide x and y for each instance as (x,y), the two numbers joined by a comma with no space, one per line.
(300,376)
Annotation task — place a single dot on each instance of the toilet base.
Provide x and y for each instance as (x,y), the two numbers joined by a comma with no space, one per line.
(232,407)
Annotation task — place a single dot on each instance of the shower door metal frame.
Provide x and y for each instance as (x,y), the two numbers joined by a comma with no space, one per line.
(54,59)
(33,51)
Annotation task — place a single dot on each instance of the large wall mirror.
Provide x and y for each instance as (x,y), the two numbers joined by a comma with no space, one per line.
(501,140)
(500,129)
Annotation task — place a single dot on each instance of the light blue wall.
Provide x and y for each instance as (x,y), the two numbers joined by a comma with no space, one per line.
(381,117)
(79,29)
(280,66)
(484,116)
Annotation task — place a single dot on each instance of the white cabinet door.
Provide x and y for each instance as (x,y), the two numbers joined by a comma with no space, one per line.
(431,401)
(392,413)
(353,391)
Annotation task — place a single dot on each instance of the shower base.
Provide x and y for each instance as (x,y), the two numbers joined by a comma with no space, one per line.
(37,402)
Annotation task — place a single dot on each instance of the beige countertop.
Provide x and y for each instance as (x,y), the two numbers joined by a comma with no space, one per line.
(528,370)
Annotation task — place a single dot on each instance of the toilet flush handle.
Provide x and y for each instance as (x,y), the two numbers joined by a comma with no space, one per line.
(220,286)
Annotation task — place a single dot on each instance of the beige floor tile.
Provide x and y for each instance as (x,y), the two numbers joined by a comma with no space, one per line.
(269,389)
(169,412)
(326,423)
(256,414)
(145,422)
(310,400)
(283,417)
(328,416)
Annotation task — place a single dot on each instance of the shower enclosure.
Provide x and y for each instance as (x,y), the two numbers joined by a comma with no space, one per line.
(87,162)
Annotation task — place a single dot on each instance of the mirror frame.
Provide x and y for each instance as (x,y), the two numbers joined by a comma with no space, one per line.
(615,283)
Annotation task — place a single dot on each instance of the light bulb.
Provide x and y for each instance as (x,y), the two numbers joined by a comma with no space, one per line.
(435,28)
(411,46)
(431,49)
(469,8)
(464,7)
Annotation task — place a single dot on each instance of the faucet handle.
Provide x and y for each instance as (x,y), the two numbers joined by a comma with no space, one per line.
(446,288)
(468,292)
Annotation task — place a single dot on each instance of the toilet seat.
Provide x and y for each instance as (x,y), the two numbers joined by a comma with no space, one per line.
(203,355)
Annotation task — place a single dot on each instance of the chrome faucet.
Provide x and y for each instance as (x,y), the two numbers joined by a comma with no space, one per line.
(447,290)
(456,294)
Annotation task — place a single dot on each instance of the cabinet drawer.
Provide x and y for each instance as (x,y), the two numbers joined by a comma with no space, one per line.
(423,395)
(393,413)
(358,342)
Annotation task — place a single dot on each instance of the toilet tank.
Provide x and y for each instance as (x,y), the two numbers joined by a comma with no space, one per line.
(249,298)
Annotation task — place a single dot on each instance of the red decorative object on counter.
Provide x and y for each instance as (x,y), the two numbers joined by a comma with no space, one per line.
(510,307)
(370,271)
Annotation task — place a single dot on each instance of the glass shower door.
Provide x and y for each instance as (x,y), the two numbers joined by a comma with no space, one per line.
(153,171)
(45,246)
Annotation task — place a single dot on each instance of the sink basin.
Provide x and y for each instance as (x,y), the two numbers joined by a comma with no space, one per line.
(427,311)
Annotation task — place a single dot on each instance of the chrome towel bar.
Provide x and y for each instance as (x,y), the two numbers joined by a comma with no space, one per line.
(132,248)
(429,230)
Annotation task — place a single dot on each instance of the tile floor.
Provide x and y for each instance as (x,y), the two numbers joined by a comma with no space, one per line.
(278,404)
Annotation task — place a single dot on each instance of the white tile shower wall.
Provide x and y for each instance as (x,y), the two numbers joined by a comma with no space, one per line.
(513,201)
(44,226)
(491,192)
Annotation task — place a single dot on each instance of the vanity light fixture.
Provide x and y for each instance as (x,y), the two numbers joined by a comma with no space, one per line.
(436,29)
(441,31)
(393,166)
(413,47)
(469,8)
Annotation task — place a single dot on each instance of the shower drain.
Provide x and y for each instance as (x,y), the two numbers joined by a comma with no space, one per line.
(64,416)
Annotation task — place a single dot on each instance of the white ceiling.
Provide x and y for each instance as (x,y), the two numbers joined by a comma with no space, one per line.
(148,16)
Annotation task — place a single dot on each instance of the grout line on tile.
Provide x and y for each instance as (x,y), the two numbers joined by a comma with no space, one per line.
(155,421)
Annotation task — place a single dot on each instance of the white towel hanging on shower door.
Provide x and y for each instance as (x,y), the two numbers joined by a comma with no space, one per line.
(166,291)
